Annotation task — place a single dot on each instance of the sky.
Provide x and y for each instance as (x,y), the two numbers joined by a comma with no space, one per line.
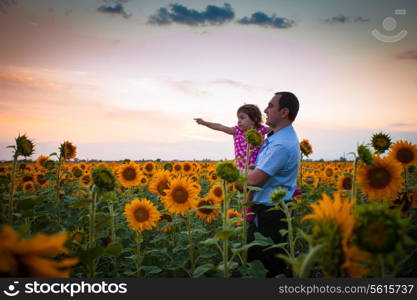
(124,79)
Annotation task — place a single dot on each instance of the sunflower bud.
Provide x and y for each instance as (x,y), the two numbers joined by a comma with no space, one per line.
(68,150)
(381,142)
(254,137)
(104,179)
(24,146)
(305,147)
(278,195)
(365,154)
(228,171)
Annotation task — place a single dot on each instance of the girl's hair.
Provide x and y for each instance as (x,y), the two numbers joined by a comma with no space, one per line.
(253,113)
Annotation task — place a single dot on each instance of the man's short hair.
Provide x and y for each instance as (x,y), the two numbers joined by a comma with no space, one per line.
(290,101)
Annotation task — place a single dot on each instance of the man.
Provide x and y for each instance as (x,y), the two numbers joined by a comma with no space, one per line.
(276,167)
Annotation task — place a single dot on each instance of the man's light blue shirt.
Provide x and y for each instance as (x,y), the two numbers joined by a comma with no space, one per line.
(279,157)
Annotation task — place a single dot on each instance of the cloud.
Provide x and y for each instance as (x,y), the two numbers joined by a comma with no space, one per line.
(186,87)
(240,85)
(117,9)
(411,54)
(402,125)
(177,13)
(342,19)
(27,82)
(262,19)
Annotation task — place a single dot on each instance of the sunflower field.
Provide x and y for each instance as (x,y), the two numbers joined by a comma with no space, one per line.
(61,218)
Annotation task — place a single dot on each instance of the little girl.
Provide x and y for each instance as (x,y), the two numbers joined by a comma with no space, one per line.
(249,116)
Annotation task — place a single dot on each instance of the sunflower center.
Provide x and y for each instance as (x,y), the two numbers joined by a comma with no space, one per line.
(379,178)
(177,167)
(218,192)
(347,183)
(40,178)
(378,238)
(329,172)
(405,155)
(141,215)
(162,186)
(180,195)
(381,142)
(149,167)
(187,168)
(129,174)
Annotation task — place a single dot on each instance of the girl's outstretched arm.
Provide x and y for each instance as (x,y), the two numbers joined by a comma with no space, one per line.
(215,126)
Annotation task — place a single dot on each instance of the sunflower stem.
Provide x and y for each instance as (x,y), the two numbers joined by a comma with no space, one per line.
(290,229)
(244,208)
(226,239)
(91,239)
(58,185)
(138,240)
(190,240)
(300,177)
(12,184)
(354,186)
(113,234)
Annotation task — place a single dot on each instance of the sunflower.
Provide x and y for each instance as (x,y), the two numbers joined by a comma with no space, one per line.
(180,196)
(381,142)
(216,193)
(143,180)
(149,168)
(337,210)
(177,167)
(40,161)
(205,213)
(380,229)
(344,183)
(227,170)
(24,146)
(129,175)
(86,180)
(29,258)
(232,214)
(333,226)
(104,179)
(305,147)
(311,179)
(254,137)
(187,168)
(76,171)
(159,183)
(406,201)
(404,152)
(39,178)
(382,179)
(68,150)
(365,154)
(28,186)
(141,214)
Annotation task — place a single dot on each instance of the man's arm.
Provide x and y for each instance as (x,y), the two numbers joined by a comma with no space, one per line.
(257,177)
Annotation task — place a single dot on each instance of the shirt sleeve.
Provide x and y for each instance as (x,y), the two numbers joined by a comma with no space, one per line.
(236,130)
(272,159)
